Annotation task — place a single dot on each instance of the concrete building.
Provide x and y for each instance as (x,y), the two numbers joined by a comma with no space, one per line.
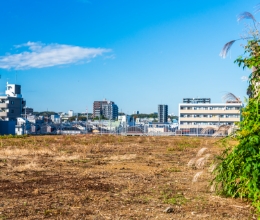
(197,114)
(12,104)
(22,126)
(56,119)
(34,119)
(27,111)
(70,113)
(158,127)
(126,120)
(97,108)
(162,113)
(197,100)
(110,110)
(105,108)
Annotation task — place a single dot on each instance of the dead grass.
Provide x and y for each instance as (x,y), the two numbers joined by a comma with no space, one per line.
(111,177)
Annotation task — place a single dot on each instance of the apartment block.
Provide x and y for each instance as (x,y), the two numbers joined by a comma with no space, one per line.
(105,108)
(12,104)
(200,114)
(28,111)
(162,113)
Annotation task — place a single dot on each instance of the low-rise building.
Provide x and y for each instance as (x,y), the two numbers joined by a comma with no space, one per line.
(27,111)
(201,114)
(56,119)
(126,120)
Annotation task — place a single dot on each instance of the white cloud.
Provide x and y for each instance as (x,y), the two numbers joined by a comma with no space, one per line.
(244,78)
(40,55)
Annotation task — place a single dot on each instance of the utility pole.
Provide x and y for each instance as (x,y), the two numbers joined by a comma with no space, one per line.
(87,119)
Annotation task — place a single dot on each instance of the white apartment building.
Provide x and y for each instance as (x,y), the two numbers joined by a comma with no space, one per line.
(12,104)
(70,113)
(201,115)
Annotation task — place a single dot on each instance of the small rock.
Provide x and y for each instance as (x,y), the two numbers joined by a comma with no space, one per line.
(168,210)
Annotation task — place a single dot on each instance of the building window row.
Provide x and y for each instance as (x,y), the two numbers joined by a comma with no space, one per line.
(207,123)
(209,116)
(210,108)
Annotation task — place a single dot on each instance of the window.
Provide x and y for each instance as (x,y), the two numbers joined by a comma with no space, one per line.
(12,102)
(12,111)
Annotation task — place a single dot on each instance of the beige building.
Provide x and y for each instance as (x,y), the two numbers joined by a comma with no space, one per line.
(202,115)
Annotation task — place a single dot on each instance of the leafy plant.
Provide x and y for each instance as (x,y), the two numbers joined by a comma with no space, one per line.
(238,170)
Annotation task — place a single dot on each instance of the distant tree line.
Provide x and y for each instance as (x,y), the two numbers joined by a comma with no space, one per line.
(152,115)
(45,113)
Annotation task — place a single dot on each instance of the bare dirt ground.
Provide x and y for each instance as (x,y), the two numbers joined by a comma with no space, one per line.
(112,177)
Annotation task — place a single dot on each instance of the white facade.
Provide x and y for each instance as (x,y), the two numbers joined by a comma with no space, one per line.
(55,119)
(126,120)
(22,126)
(192,115)
(70,113)
(12,104)
(13,90)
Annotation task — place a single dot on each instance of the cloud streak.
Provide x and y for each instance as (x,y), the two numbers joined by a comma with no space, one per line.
(39,55)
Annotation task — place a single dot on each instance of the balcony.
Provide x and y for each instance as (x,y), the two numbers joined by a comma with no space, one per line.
(3,105)
(212,119)
(221,111)
(3,114)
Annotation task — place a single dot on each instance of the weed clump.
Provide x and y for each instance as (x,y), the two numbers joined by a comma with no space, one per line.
(238,171)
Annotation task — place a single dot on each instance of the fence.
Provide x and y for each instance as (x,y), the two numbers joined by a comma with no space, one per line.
(167,131)
(144,130)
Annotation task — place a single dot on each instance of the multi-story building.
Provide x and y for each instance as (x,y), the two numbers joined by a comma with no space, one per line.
(70,113)
(97,108)
(56,119)
(105,108)
(110,110)
(162,113)
(200,114)
(28,111)
(12,104)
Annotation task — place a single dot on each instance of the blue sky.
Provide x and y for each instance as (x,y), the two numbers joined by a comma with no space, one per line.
(68,53)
